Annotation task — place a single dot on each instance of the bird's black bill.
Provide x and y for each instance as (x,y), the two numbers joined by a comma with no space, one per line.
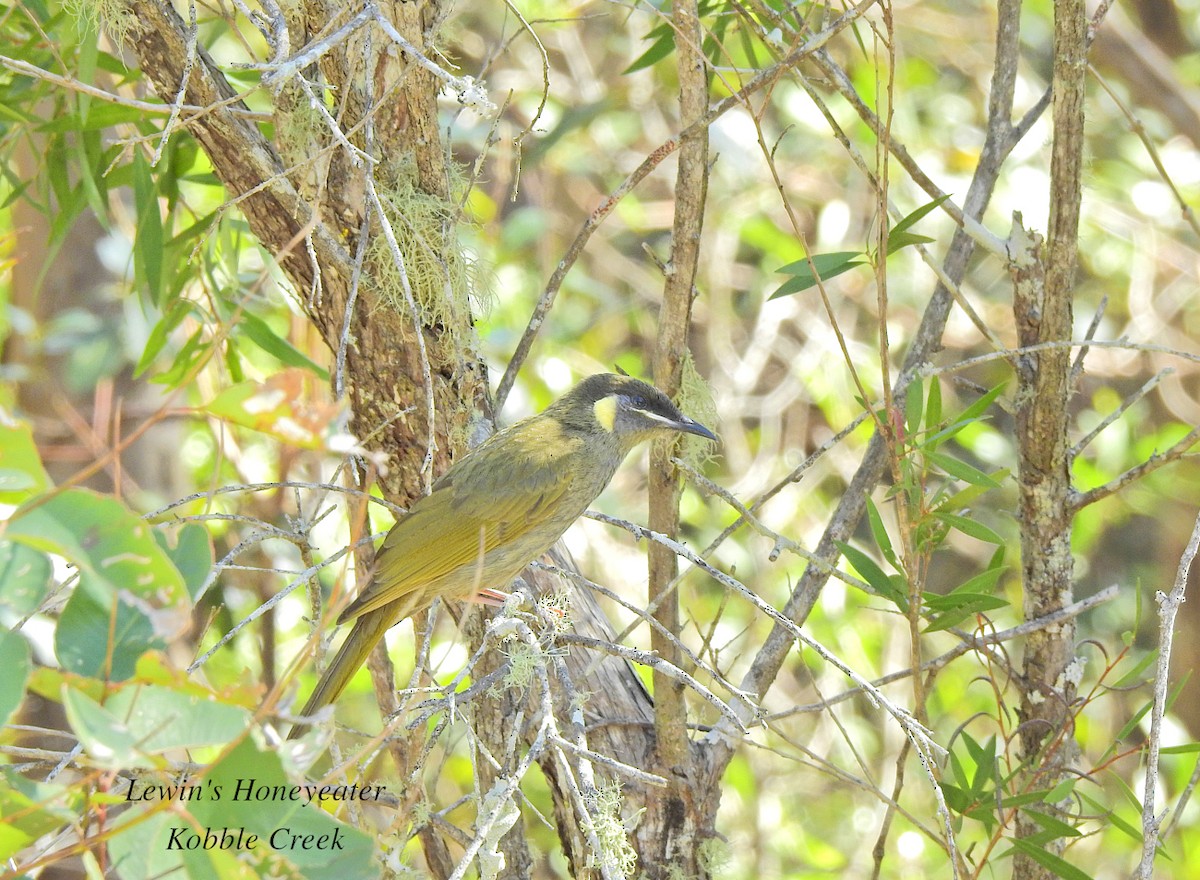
(688,426)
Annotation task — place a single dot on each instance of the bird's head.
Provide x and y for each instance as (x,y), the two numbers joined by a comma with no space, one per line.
(628,408)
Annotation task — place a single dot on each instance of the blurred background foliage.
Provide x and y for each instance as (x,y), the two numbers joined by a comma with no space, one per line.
(154,354)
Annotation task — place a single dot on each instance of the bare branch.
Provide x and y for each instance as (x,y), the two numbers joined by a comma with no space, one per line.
(1129,401)
(1081,500)
(1168,607)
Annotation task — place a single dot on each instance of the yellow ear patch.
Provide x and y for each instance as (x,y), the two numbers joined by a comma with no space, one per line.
(606,412)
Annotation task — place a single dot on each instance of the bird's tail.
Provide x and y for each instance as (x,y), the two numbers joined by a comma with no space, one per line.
(368,630)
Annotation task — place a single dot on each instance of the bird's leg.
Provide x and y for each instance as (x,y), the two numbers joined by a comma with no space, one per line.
(489,597)
(499,598)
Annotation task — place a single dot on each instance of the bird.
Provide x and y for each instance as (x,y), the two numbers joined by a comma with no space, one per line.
(498,508)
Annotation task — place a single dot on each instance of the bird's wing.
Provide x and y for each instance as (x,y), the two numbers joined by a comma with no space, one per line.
(493,497)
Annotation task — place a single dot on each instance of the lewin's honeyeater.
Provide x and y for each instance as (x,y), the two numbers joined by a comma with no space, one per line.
(499,508)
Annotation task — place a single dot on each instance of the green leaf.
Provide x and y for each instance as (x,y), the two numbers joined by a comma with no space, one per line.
(1058,827)
(920,212)
(128,588)
(985,768)
(141,721)
(101,117)
(85,70)
(982,755)
(957,798)
(1060,792)
(1136,676)
(192,554)
(983,582)
(1047,860)
(1020,800)
(123,74)
(984,758)
(1131,796)
(967,599)
(964,607)
(19,115)
(1129,727)
(977,409)
(17,665)
(966,603)
(913,401)
(879,533)
(161,332)
(24,577)
(70,201)
(103,538)
(874,575)
(141,848)
(968,416)
(196,349)
(1040,839)
(105,737)
(1114,818)
(663,45)
(967,496)
(102,636)
(960,469)
(899,235)
(960,772)
(260,333)
(971,527)
(232,355)
(33,809)
(827,266)
(89,180)
(898,240)
(21,472)
(1186,749)
(933,405)
(954,428)
(149,238)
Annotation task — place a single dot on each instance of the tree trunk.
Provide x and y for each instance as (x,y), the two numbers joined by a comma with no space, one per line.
(1044,280)
(681,817)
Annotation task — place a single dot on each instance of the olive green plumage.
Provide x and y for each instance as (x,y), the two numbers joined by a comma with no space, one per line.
(499,508)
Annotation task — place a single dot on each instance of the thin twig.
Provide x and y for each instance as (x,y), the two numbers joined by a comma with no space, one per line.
(189,61)
(1168,606)
(1009,354)
(24,68)
(1080,500)
(1129,401)
(1090,334)
(1139,129)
